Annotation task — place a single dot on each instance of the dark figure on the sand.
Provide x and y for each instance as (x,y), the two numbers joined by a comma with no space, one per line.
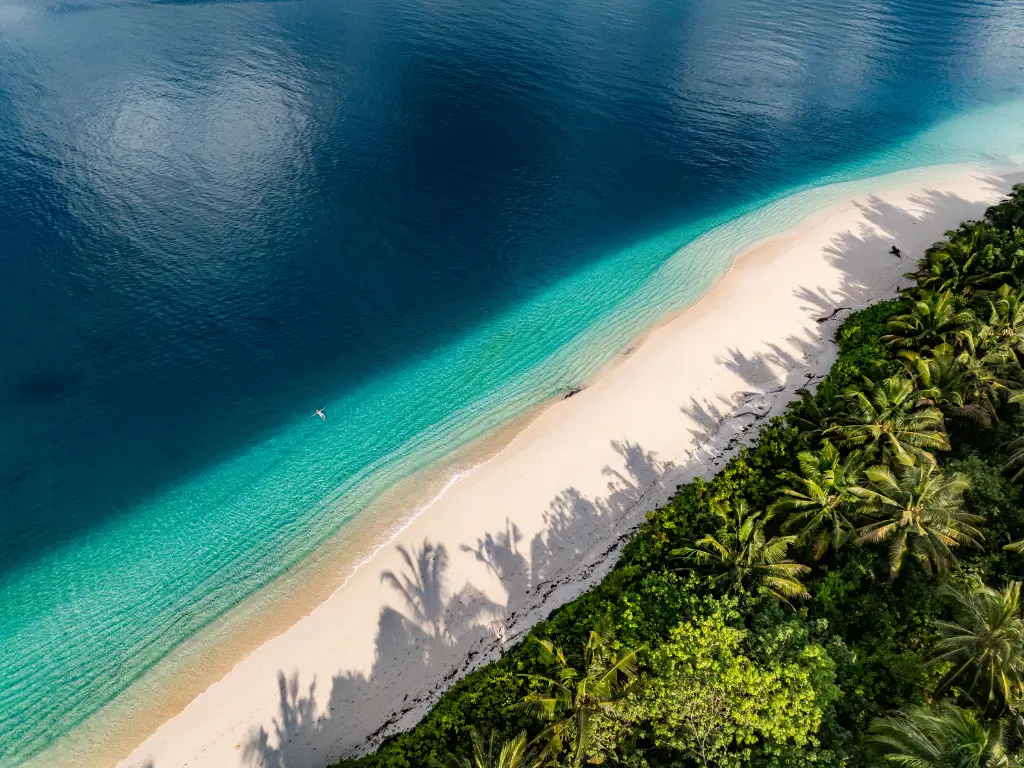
(896,252)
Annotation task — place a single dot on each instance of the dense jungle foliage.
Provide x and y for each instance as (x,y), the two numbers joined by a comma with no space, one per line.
(845,592)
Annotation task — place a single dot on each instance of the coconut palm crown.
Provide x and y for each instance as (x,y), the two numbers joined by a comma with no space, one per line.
(932,320)
(984,644)
(964,262)
(488,754)
(918,510)
(742,555)
(818,500)
(941,737)
(892,420)
(1009,212)
(1006,324)
(965,386)
(573,700)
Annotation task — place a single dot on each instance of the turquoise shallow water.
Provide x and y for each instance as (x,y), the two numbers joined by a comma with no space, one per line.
(218,217)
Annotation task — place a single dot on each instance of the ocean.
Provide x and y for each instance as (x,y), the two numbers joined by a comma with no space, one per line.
(424,217)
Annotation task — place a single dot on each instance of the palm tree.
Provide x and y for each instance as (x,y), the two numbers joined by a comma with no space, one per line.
(1016,458)
(1010,212)
(1006,323)
(821,499)
(943,737)
(743,556)
(1016,448)
(984,644)
(919,510)
(969,258)
(486,754)
(965,386)
(892,419)
(816,411)
(933,319)
(575,699)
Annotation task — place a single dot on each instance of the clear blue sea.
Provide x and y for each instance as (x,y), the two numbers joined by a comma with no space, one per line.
(216,217)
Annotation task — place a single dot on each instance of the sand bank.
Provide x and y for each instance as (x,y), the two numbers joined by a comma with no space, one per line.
(541,522)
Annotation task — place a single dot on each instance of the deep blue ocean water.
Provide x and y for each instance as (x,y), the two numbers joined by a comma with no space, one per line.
(216,217)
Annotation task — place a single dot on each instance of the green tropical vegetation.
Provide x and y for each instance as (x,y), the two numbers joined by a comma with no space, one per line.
(819,499)
(940,737)
(844,592)
(740,555)
(487,753)
(574,701)
(984,644)
(918,509)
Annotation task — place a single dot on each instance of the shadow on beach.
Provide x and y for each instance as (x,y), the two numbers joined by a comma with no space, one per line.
(788,365)
(446,631)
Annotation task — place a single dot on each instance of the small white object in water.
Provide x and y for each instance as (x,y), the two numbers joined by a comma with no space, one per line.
(320,413)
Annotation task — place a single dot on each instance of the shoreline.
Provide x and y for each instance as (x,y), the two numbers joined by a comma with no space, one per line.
(198,663)
(454,651)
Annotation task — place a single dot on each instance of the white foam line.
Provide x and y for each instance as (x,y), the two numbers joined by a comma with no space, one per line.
(369,558)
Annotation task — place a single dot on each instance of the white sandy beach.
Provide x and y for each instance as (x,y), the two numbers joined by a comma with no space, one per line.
(541,522)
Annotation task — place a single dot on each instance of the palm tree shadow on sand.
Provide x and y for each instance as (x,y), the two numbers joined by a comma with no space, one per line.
(780,370)
(444,632)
